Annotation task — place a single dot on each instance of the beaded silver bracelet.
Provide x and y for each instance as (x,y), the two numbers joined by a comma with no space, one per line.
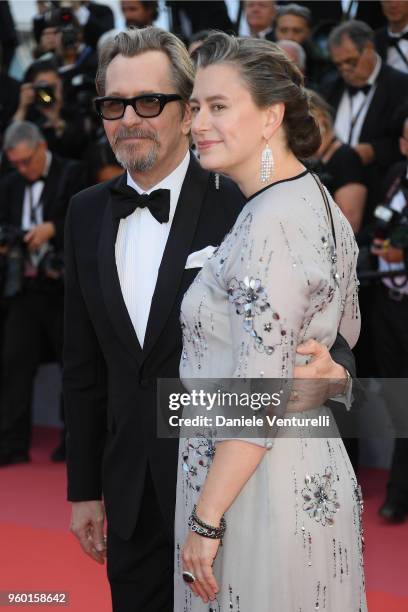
(205,530)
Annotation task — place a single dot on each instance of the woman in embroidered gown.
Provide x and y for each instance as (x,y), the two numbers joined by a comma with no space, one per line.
(293,541)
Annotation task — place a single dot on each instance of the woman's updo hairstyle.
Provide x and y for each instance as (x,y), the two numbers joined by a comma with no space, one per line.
(271,77)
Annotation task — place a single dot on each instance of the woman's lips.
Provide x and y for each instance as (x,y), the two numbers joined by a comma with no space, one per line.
(206,144)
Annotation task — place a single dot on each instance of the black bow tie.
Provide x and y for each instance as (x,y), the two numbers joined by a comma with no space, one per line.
(394,40)
(126,200)
(355,90)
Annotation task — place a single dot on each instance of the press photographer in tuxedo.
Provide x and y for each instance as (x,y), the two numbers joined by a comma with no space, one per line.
(133,246)
(390,325)
(33,202)
(365,92)
(42,101)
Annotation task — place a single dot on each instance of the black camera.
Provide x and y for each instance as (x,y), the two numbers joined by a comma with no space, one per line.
(392,225)
(13,258)
(68,28)
(64,20)
(44,94)
(11,235)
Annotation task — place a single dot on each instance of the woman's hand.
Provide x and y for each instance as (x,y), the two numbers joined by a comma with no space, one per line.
(198,556)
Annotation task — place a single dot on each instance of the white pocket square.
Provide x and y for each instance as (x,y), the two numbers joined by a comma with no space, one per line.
(198,258)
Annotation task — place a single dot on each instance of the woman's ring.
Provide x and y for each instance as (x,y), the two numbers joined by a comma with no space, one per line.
(188,577)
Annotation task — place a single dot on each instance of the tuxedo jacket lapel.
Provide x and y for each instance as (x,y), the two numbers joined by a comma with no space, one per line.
(18,202)
(176,252)
(54,175)
(374,112)
(109,279)
(336,93)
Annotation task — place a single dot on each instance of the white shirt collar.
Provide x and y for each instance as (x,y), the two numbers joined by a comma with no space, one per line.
(174,182)
(373,76)
(263,33)
(397,34)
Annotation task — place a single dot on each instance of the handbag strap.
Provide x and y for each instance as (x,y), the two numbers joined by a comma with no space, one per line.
(326,203)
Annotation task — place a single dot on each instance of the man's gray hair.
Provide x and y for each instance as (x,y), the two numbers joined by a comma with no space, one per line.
(291,45)
(358,32)
(136,41)
(22,131)
(297,10)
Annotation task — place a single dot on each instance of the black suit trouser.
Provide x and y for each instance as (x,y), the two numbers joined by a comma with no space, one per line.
(390,322)
(33,322)
(140,570)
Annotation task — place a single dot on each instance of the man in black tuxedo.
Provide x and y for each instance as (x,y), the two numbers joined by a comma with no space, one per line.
(391,41)
(390,321)
(260,16)
(365,96)
(126,257)
(33,199)
(365,92)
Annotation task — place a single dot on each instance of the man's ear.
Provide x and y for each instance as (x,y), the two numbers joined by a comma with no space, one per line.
(369,46)
(187,118)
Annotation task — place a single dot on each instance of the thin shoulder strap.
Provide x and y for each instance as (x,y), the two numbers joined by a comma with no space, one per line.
(326,202)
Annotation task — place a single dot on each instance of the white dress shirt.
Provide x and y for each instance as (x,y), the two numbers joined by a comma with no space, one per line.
(32,198)
(349,109)
(394,59)
(349,7)
(32,214)
(139,249)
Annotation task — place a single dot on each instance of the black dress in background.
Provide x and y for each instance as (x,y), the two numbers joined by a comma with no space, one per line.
(343,167)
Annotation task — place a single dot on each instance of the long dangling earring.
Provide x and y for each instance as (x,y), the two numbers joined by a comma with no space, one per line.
(217,181)
(267,164)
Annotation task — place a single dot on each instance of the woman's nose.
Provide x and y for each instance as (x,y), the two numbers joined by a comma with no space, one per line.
(200,121)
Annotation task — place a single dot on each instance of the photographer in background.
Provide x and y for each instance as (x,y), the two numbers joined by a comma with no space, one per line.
(390,322)
(76,61)
(42,102)
(94,18)
(33,203)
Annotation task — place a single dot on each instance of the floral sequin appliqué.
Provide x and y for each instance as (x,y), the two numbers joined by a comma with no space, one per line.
(320,498)
(250,299)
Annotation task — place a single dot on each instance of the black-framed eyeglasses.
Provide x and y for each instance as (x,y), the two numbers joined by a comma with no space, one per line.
(146,106)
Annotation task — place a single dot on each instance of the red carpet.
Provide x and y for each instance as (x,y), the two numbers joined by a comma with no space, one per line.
(37,552)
